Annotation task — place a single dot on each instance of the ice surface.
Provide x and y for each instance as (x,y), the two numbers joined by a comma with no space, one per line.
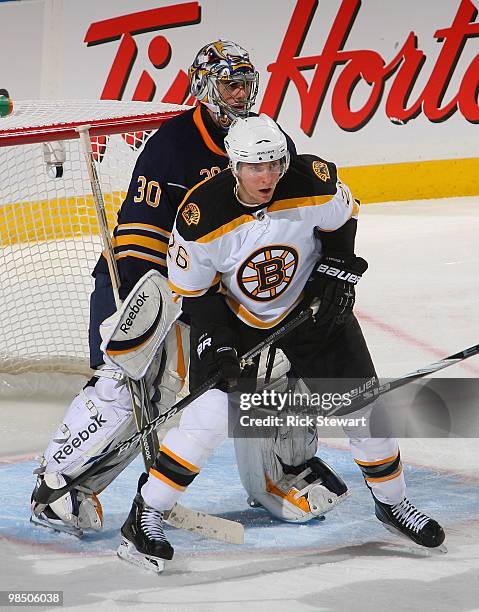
(419,301)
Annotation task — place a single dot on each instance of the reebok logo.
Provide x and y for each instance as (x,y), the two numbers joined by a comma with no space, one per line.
(82,436)
(339,274)
(134,310)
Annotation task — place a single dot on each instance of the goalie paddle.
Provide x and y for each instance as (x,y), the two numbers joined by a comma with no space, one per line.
(47,495)
(207,525)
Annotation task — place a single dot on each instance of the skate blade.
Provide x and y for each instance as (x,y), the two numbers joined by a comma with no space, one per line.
(426,550)
(58,527)
(128,553)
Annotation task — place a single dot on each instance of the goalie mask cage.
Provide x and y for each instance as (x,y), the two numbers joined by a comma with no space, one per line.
(49,234)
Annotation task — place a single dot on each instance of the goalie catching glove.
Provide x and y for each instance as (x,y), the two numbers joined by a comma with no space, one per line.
(333,282)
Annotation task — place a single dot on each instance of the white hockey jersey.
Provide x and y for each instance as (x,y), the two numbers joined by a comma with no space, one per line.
(259,258)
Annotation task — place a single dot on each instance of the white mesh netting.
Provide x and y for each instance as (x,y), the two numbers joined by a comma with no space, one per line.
(50,242)
(47,116)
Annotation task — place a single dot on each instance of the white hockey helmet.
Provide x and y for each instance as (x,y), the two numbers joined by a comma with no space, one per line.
(256,140)
(223,62)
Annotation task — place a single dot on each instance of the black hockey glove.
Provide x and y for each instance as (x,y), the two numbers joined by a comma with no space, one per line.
(333,282)
(220,357)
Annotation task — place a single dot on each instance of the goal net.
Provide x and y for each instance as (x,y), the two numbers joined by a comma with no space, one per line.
(49,235)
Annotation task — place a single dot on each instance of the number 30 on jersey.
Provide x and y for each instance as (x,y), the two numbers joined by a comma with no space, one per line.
(149,191)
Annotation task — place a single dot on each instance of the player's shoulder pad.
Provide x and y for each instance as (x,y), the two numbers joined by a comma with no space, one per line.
(317,171)
(308,175)
(207,206)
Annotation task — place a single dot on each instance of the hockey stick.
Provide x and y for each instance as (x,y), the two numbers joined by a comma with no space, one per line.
(143,409)
(367,397)
(49,495)
(362,399)
(46,495)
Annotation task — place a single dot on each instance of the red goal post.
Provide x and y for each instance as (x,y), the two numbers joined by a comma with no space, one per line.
(49,234)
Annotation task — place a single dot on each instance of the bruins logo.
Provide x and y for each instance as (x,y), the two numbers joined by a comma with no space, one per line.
(321,170)
(267,272)
(191,213)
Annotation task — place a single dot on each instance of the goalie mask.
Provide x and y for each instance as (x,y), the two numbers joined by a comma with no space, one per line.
(223,78)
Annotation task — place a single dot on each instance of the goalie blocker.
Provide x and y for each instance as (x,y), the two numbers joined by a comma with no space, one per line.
(132,336)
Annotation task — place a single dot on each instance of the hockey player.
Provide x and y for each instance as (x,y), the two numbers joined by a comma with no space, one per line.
(185,150)
(243,255)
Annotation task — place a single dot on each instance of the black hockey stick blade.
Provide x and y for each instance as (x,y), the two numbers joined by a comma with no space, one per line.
(46,495)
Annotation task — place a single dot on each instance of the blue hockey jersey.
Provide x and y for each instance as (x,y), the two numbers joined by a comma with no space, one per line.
(185,150)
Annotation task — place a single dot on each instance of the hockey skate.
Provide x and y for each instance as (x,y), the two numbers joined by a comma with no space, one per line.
(144,542)
(406,520)
(73,513)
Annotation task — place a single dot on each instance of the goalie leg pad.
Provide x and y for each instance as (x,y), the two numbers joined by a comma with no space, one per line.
(282,474)
(304,492)
(99,417)
(257,457)
(274,377)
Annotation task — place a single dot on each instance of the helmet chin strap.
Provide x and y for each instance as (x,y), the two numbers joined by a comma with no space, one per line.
(240,200)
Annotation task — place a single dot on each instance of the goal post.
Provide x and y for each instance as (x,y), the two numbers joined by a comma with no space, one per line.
(49,235)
